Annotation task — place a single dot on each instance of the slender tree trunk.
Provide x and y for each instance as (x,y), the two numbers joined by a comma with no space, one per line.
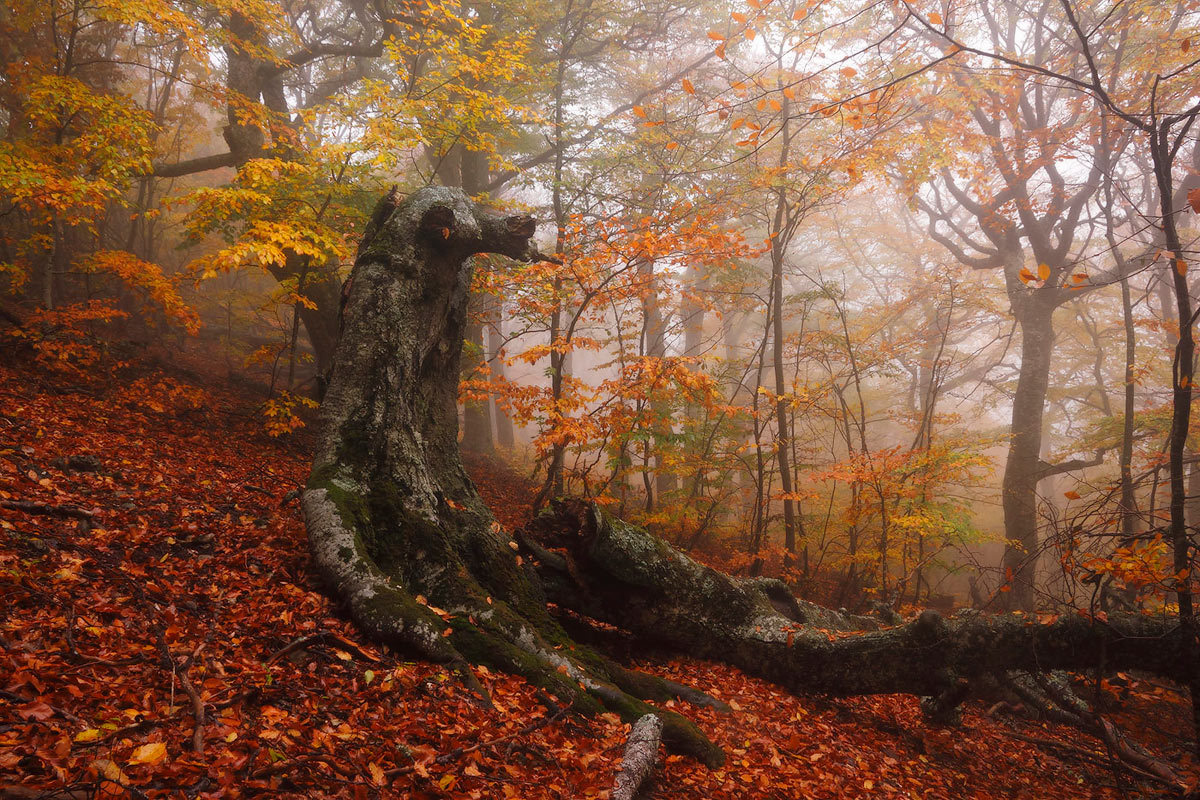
(779,240)
(1182,373)
(1022,468)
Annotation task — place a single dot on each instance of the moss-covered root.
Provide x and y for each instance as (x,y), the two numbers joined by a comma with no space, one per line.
(384,611)
(659,690)
(680,734)
(587,681)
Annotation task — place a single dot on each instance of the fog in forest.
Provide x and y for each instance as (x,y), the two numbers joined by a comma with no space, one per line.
(880,298)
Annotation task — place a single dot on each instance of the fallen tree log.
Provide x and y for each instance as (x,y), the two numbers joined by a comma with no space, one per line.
(620,574)
(402,538)
(641,754)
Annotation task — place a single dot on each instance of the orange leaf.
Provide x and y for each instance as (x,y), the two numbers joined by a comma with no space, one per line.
(687,86)
(935,18)
(1071,495)
(849,72)
(1043,271)
(716,36)
(639,111)
(1194,200)
(151,753)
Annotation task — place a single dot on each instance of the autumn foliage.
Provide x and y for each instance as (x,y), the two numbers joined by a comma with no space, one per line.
(176,573)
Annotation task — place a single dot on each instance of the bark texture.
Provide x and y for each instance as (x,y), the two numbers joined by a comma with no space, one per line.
(402,538)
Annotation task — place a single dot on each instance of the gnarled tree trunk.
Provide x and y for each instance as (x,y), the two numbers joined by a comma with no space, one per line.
(400,534)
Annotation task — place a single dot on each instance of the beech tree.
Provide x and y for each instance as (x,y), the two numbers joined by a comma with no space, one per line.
(1021,215)
(401,536)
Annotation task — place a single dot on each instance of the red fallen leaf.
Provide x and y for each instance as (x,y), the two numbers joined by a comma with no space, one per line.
(35,711)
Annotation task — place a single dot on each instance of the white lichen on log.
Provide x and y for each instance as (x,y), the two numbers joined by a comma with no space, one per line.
(641,754)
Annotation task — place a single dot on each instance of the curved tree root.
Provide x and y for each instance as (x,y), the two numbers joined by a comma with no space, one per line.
(472,627)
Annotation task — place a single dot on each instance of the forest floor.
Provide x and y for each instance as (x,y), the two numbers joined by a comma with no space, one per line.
(162,574)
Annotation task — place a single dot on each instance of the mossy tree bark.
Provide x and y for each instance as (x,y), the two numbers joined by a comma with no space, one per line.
(401,536)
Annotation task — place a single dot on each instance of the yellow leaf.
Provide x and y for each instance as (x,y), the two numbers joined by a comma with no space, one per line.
(688,87)
(110,771)
(1043,271)
(90,735)
(151,753)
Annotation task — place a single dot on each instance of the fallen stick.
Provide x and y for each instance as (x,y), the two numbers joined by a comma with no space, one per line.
(318,638)
(180,670)
(641,754)
(48,510)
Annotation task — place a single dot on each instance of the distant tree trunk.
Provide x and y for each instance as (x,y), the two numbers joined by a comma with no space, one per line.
(655,347)
(505,434)
(783,435)
(477,419)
